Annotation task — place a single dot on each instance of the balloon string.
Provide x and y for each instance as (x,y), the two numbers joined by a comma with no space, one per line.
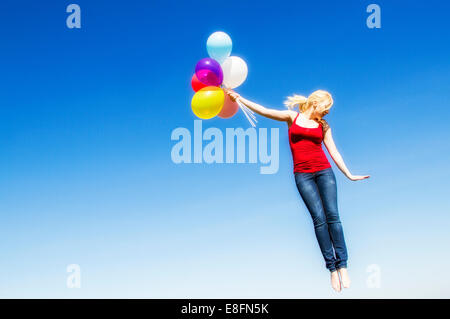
(245,113)
(242,107)
(249,112)
(252,115)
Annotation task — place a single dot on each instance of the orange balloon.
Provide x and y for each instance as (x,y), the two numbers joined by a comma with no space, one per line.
(229,108)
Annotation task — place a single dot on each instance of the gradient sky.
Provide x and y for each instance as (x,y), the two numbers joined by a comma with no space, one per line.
(87,178)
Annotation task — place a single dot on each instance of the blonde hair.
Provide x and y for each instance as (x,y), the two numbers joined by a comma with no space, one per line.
(316,97)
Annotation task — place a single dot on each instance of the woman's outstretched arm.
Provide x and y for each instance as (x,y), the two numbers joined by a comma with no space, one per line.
(284,116)
(337,158)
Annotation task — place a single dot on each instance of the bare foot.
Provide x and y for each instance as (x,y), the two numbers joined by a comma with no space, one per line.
(344,277)
(335,283)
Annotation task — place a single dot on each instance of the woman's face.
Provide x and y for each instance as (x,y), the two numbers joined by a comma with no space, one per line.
(320,109)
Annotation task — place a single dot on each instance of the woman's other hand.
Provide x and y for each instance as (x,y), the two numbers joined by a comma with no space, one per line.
(357,177)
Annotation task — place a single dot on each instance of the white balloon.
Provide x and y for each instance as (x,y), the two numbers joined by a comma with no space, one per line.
(234,71)
(219,46)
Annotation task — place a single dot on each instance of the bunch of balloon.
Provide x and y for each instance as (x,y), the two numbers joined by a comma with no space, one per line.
(213,74)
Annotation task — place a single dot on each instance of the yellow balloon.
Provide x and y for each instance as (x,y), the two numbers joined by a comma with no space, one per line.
(208,102)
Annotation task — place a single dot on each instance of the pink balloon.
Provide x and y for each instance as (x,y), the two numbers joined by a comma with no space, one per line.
(229,108)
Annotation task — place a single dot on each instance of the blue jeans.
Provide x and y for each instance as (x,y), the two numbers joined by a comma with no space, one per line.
(319,193)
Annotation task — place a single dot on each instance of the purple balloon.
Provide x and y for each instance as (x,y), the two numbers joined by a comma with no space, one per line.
(209,72)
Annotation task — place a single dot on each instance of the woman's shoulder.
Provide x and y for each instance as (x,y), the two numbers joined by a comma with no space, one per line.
(325,125)
(293,115)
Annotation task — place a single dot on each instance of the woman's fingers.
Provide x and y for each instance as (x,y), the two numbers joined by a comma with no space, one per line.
(233,95)
(360,177)
(229,91)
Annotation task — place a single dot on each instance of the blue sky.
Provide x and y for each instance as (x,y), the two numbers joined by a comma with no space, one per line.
(86,174)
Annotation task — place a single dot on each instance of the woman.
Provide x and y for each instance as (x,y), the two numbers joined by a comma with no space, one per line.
(314,176)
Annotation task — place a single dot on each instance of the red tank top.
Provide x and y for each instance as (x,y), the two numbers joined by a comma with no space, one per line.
(306,148)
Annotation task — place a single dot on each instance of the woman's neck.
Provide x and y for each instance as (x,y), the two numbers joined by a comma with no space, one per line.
(307,115)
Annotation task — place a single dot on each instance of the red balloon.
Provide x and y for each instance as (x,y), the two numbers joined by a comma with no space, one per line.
(229,108)
(196,84)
